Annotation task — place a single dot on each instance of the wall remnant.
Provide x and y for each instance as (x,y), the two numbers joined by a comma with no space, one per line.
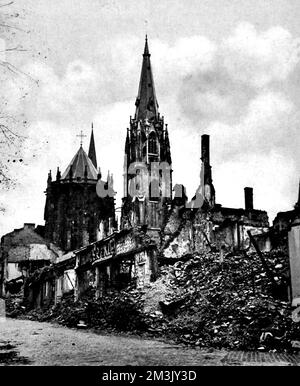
(294,253)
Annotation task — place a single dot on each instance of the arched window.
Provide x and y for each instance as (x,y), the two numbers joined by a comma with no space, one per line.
(152,143)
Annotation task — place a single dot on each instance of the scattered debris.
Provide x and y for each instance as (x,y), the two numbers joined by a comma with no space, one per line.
(296,344)
(231,303)
(81,324)
(201,302)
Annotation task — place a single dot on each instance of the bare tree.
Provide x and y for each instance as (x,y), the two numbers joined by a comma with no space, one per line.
(10,125)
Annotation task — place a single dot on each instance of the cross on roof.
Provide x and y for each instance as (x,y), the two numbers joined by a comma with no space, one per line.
(81,135)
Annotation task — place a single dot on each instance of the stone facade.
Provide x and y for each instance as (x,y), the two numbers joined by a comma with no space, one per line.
(189,231)
(294,253)
(283,223)
(123,258)
(147,161)
(23,251)
(74,209)
(158,223)
(203,224)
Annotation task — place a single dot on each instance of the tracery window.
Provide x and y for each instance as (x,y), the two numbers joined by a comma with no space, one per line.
(152,143)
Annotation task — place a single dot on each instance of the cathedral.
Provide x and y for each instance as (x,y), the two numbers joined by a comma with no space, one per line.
(147,195)
(75,215)
(74,210)
(85,246)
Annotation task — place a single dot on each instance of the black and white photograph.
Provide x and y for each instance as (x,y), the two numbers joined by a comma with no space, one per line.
(149,186)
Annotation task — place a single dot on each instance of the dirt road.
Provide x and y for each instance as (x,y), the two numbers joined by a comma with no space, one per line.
(25,342)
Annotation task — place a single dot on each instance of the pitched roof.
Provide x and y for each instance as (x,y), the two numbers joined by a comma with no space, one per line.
(23,236)
(146,102)
(79,164)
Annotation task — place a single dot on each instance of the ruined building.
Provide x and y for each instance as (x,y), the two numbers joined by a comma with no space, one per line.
(74,210)
(204,224)
(147,194)
(283,224)
(158,223)
(22,251)
(284,220)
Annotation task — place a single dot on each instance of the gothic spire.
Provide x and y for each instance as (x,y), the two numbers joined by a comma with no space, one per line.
(146,50)
(146,102)
(92,150)
(127,142)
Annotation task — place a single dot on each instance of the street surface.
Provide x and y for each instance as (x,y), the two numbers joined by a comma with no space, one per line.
(24,342)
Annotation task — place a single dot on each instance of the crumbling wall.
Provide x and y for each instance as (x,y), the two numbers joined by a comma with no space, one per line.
(294,254)
(145,267)
(203,231)
(142,269)
(13,271)
(177,235)
(65,282)
(84,280)
(188,231)
(224,237)
(263,240)
(20,247)
(18,253)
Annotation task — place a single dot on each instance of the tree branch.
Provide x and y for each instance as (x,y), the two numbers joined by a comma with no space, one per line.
(13,49)
(16,71)
(11,27)
(5,5)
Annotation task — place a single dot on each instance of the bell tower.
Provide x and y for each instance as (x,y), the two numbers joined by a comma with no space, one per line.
(147,161)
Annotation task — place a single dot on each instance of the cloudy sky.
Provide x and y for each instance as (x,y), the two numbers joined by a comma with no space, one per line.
(229,68)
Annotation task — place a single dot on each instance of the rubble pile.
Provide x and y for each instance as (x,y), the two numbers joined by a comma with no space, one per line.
(239,301)
(231,302)
(116,311)
(14,305)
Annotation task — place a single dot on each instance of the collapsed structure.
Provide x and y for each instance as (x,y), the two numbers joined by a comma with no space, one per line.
(158,223)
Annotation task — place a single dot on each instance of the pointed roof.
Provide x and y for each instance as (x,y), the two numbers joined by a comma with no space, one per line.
(92,150)
(146,102)
(80,166)
(127,142)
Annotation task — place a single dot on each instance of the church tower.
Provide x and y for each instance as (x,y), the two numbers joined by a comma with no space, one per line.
(147,161)
(74,209)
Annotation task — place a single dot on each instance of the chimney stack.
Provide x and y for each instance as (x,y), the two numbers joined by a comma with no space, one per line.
(248,198)
(205,148)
